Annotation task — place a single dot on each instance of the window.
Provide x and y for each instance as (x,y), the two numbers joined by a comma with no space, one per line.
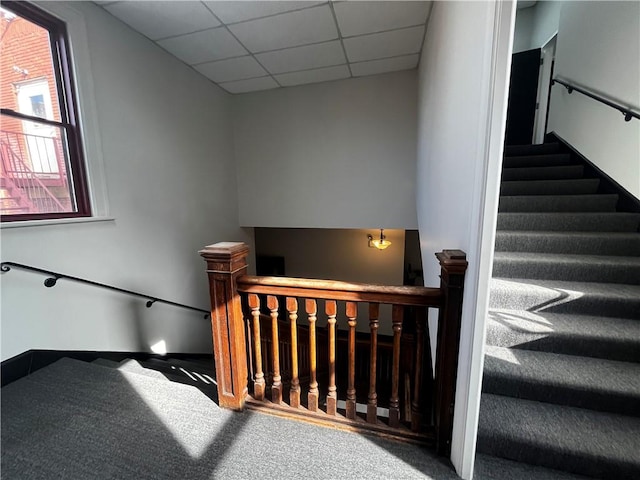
(42,166)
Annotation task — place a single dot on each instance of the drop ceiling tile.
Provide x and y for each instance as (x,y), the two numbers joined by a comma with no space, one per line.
(232,12)
(313,76)
(238,68)
(303,58)
(205,46)
(387,44)
(251,85)
(394,64)
(163,19)
(357,18)
(312,25)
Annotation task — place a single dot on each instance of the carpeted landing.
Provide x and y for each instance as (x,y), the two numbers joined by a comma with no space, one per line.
(102,420)
(562,363)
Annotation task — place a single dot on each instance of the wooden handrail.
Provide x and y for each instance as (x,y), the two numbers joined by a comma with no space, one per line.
(269,353)
(344,291)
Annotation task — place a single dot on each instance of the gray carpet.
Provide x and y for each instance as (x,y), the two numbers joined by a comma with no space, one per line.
(569,334)
(567,186)
(569,221)
(562,366)
(75,420)
(574,243)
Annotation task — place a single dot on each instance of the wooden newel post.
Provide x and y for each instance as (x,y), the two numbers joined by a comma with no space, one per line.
(453,265)
(226,261)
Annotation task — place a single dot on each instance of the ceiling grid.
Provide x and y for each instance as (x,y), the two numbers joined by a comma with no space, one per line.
(245,46)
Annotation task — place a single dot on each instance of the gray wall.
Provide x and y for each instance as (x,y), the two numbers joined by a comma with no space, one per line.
(164,136)
(331,155)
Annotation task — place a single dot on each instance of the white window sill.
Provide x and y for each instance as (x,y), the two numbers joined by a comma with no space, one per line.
(57,221)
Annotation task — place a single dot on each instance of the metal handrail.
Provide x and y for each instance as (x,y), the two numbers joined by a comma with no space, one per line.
(53,278)
(626,111)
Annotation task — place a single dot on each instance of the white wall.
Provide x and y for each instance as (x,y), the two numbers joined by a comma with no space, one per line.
(525,18)
(598,46)
(536,25)
(338,254)
(165,138)
(331,155)
(463,77)
(545,22)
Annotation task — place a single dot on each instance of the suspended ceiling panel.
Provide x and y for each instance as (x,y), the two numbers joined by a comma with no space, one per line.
(245,46)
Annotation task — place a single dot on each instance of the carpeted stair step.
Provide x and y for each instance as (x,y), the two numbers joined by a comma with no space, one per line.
(587,268)
(132,366)
(488,467)
(576,186)
(203,371)
(177,373)
(598,444)
(553,296)
(538,149)
(203,366)
(550,160)
(570,222)
(543,173)
(579,243)
(569,334)
(558,203)
(593,383)
(105,362)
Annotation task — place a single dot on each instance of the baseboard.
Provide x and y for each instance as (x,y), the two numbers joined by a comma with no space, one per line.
(30,361)
(626,203)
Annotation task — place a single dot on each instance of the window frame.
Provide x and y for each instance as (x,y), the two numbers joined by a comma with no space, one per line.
(69,112)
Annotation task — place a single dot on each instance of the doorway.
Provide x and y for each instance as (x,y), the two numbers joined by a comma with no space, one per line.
(547,58)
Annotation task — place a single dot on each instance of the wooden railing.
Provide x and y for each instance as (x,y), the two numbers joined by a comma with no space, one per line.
(271,354)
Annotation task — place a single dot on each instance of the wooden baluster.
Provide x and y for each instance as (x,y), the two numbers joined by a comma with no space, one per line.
(416,411)
(352,312)
(294,392)
(312,397)
(372,404)
(276,387)
(331,310)
(394,401)
(259,383)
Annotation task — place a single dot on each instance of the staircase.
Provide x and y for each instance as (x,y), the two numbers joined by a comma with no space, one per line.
(562,367)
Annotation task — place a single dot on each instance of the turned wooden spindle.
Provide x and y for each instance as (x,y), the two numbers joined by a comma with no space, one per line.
(294,392)
(258,382)
(352,312)
(312,396)
(394,401)
(416,411)
(276,387)
(372,403)
(332,393)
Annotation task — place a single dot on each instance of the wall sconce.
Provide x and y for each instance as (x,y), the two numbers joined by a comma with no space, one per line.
(380,244)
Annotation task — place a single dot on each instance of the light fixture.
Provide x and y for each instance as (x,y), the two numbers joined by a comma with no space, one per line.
(380,244)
